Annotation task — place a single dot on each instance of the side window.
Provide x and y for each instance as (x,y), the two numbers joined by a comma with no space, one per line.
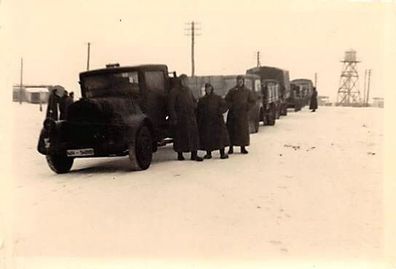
(257,85)
(155,81)
(270,91)
(127,83)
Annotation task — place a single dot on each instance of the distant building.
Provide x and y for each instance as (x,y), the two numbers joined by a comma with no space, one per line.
(378,102)
(36,95)
(31,93)
(323,100)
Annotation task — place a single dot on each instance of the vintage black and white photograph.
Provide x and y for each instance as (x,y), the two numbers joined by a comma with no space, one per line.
(197,134)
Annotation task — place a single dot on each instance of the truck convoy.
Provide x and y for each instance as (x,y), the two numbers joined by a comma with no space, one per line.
(123,111)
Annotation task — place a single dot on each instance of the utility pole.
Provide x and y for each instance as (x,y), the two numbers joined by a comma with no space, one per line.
(21,84)
(192,31)
(364,103)
(258,59)
(88,55)
(368,86)
(41,103)
(316,79)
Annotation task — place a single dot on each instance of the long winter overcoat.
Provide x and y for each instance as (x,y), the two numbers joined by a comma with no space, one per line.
(213,134)
(314,100)
(239,101)
(182,106)
(52,108)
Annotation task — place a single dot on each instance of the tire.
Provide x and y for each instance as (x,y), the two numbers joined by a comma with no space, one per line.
(140,150)
(272,117)
(60,164)
(277,113)
(257,126)
(261,118)
(284,110)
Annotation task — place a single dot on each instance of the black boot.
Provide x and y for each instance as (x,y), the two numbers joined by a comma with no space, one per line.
(243,150)
(180,156)
(208,155)
(223,155)
(195,157)
(231,150)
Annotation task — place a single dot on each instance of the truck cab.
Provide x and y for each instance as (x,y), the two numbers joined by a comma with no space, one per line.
(123,111)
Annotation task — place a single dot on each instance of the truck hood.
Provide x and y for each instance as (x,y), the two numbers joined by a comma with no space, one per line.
(100,110)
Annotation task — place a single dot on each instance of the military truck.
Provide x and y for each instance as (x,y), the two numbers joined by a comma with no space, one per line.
(282,77)
(222,84)
(270,100)
(295,99)
(123,111)
(306,88)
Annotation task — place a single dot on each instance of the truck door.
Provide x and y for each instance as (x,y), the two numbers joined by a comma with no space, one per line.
(156,98)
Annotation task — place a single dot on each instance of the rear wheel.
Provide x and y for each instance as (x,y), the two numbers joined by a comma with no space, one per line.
(284,110)
(257,126)
(141,149)
(272,117)
(60,164)
(277,112)
(254,124)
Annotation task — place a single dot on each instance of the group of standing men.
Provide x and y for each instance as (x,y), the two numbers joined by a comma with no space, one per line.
(200,125)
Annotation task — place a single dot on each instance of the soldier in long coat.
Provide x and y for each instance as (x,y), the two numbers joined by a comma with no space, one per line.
(239,99)
(314,100)
(63,104)
(182,106)
(213,134)
(52,108)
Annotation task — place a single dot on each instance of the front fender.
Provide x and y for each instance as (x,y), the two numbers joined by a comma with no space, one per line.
(49,140)
(133,123)
(43,143)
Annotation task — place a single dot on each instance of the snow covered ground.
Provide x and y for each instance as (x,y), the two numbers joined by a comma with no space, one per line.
(310,191)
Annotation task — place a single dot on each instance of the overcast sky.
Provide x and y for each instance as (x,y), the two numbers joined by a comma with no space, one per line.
(303,37)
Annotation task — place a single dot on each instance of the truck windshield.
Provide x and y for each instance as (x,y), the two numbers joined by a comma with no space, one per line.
(111,84)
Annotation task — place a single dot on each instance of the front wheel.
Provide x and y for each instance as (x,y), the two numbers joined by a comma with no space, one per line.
(271,118)
(284,110)
(141,149)
(60,164)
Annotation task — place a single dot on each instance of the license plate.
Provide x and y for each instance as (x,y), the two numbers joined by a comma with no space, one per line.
(80,152)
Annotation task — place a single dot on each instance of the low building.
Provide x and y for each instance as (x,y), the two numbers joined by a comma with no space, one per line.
(31,93)
(36,95)
(378,102)
(323,100)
